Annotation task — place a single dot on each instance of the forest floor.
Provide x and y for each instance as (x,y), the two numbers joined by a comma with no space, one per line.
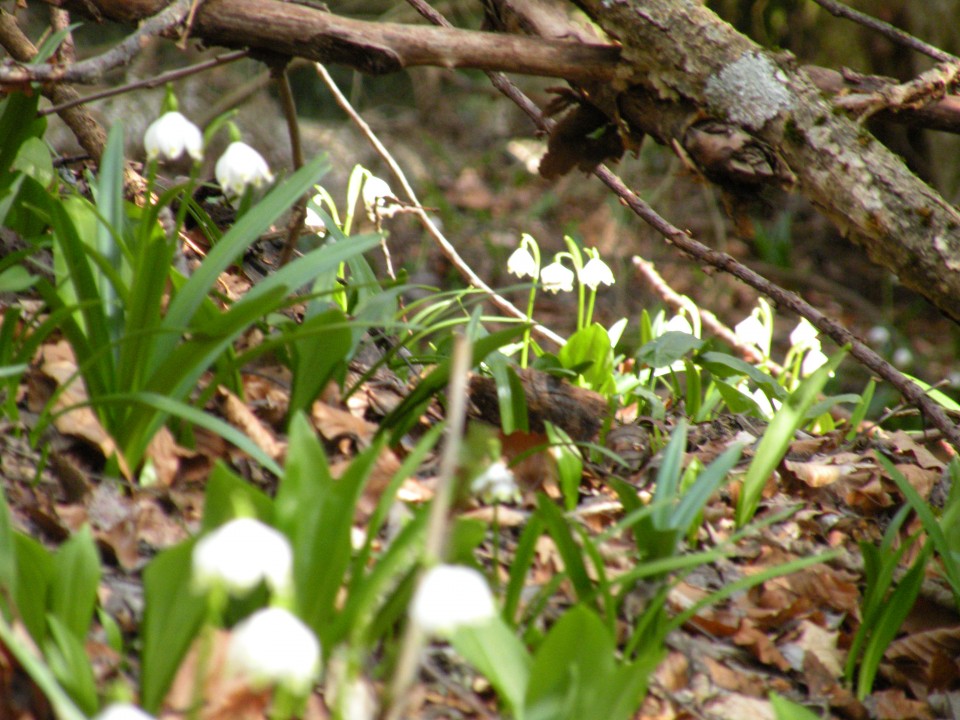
(788,635)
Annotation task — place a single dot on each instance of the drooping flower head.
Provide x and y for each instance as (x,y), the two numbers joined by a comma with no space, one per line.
(274,648)
(241,167)
(556,277)
(171,135)
(449,597)
(496,484)
(241,554)
(596,272)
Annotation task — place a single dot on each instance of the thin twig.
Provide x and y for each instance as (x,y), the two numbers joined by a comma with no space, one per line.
(886,29)
(446,247)
(299,212)
(151,82)
(438,521)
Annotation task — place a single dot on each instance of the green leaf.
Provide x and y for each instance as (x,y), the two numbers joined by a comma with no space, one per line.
(172,617)
(62,705)
(511,398)
(494,650)
(403,417)
(556,524)
(725,366)
(575,674)
(34,575)
(16,279)
(73,588)
(778,436)
(787,710)
(51,43)
(321,344)
(569,464)
(317,513)
(34,160)
(18,121)
(67,656)
(8,552)
(226,492)
(590,347)
(244,232)
(667,349)
(895,611)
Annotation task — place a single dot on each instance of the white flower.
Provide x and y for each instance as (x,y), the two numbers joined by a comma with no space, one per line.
(274,647)
(170,135)
(878,335)
(804,336)
(556,277)
(812,361)
(902,357)
(241,166)
(449,597)
(239,555)
(521,263)
(314,222)
(595,273)
(496,484)
(679,323)
(376,196)
(767,408)
(751,331)
(122,711)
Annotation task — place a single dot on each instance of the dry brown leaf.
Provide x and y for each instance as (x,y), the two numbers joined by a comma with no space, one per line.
(906,445)
(819,474)
(739,707)
(893,704)
(166,454)
(334,424)
(821,643)
(920,479)
(760,645)
(238,414)
(58,364)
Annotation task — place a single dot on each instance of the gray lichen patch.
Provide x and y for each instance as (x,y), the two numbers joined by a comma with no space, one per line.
(749,91)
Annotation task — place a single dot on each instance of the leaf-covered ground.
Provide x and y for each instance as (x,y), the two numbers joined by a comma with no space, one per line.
(790,634)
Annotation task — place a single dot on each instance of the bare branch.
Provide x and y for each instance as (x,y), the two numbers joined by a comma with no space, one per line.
(886,29)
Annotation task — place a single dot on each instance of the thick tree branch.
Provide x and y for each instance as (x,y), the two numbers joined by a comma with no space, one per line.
(679,54)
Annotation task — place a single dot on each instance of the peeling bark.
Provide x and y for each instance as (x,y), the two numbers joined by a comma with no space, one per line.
(686,56)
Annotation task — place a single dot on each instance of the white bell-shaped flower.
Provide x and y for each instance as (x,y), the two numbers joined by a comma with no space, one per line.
(521,263)
(596,273)
(273,647)
(170,135)
(122,711)
(805,336)
(240,167)
(241,554)
(751,331)
(450,597)
(496,484)
(377,196)
(556,277)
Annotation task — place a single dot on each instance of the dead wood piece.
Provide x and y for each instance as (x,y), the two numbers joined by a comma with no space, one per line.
(578,411)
